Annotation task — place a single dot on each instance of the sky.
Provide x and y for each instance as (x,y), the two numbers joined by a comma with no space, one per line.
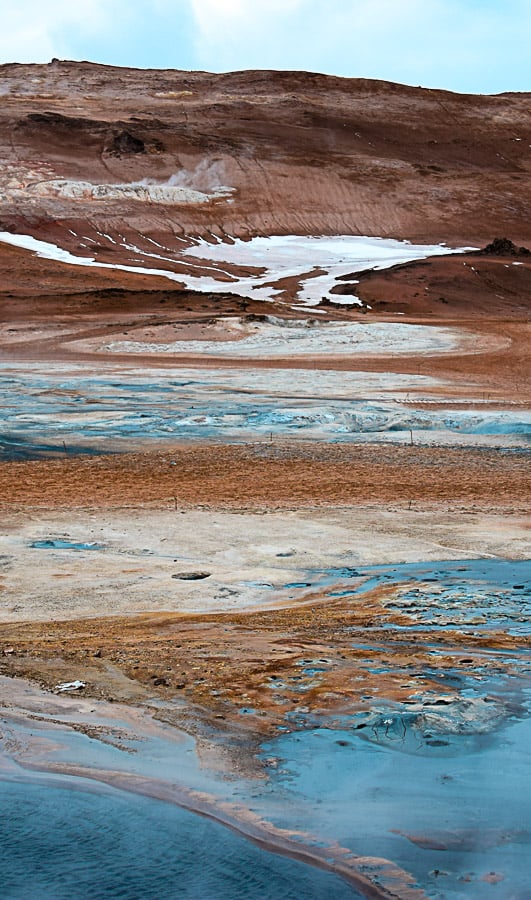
(470,46)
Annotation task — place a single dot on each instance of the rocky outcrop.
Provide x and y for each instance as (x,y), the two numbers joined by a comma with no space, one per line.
(123,143)
(505,247)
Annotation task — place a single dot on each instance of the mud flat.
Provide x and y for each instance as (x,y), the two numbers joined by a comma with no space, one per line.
(345,711)
(298,640)
(141,559)
(274,671)
(74,409)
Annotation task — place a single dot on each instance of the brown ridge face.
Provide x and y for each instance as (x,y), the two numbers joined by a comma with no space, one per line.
(474,285)
(301,153)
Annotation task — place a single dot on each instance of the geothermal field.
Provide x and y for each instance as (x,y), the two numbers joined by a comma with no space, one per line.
(265,593)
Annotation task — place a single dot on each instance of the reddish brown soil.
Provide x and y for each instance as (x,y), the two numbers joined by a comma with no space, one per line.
(307,154)
(271,475)
(471,286)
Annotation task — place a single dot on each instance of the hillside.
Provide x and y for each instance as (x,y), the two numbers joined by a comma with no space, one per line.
(173,154)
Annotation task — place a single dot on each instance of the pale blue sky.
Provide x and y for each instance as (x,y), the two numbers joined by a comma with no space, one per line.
(480,46)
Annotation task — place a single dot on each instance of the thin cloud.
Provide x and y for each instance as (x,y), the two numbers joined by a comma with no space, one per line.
(475,45)
(230,30)
(463,45)
(34,31)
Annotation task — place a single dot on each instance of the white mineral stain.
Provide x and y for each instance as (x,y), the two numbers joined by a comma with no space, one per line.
(279,338)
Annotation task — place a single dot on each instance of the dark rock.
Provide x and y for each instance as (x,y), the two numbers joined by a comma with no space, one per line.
(123,143)
(53,121)
(347,289)
(191,576)
(505,247)
(160,681)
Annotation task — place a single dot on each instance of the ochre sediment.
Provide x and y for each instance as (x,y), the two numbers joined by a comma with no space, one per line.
(271,475)
(263,660)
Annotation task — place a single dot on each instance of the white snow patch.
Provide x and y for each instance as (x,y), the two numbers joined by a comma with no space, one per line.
(46,250)
(274,258)
(290,256)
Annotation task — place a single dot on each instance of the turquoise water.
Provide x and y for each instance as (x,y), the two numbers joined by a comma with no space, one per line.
(60,544)
(59,843)
(450,821)
(437,782)
(477,594)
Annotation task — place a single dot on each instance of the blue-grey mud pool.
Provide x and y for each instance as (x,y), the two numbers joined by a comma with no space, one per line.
(409,783)
(308,681)
(47,412)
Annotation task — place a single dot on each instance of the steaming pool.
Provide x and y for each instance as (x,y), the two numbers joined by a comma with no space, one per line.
(426,796)
(75,410)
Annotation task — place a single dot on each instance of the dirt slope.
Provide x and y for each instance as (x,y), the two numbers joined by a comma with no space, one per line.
(300,153)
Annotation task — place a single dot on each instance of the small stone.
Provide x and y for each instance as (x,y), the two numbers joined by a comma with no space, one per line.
(191,576)
(160,681)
